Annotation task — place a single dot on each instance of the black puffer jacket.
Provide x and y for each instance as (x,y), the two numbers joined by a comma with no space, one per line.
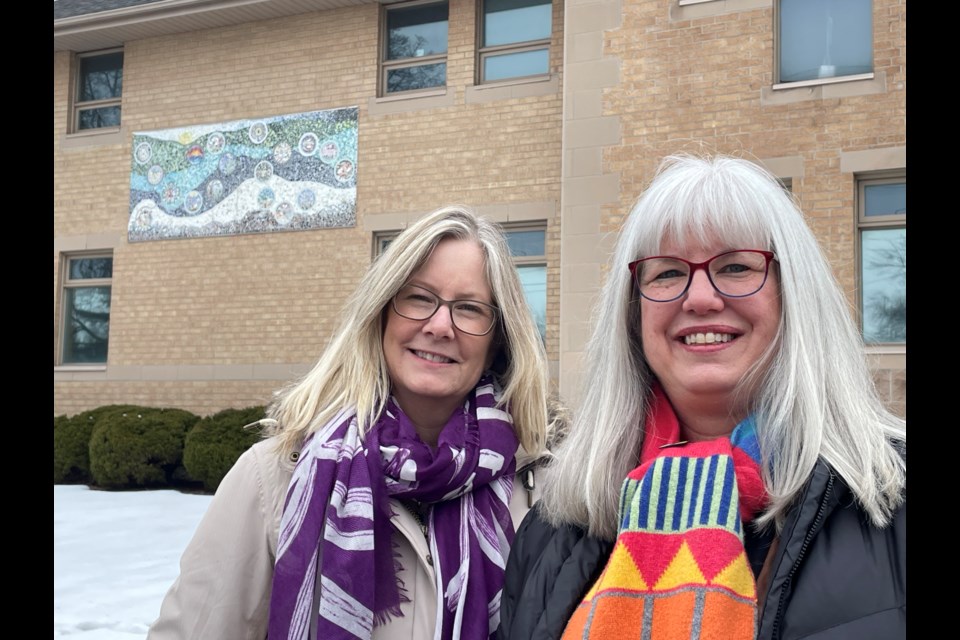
(834,577)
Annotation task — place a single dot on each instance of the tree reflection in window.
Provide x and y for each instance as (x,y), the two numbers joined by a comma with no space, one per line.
(416,47)
(99,90)
(86,301)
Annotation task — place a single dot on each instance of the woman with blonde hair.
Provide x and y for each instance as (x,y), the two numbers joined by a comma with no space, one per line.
(384,503)
(731,472)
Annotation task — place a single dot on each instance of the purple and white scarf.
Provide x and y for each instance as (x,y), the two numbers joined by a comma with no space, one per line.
(336,517)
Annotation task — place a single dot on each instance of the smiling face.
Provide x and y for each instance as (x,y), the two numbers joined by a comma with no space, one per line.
(701,345)
(432,364)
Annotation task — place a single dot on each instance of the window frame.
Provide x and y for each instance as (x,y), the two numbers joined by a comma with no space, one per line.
(780,83)
(513,47)
(76,105)
(867,223)
(386,66)
(67,283)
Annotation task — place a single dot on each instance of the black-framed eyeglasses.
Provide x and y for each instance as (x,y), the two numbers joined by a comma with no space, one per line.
(469,316)
(734,274)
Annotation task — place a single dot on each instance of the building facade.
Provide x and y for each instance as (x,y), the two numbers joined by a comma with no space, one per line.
(548,117)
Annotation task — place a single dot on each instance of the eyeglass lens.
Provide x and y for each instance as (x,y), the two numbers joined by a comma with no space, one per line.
(734,274)
(469,316)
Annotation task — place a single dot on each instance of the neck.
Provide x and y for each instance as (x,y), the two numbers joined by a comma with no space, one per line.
(704,418)
(428,421)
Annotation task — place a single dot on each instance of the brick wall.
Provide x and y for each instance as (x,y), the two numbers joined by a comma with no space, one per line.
(180,307)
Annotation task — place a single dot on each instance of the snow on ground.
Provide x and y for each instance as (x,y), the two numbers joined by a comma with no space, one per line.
(115,554)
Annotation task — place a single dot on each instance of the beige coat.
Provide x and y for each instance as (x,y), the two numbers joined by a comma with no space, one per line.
(223,590)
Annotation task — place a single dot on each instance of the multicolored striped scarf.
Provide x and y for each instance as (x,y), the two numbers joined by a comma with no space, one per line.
(679,569)
(336,518)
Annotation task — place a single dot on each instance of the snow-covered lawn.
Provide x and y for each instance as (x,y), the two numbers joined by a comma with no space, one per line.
(115,554)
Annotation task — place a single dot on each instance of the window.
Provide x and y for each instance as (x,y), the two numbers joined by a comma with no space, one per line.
(528,247)
(97,91)
(414,47)
(514,39)
(85,325)
(883,259)
(824,39)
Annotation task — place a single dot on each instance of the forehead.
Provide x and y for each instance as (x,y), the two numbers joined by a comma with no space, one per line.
(455,267)
(697,250)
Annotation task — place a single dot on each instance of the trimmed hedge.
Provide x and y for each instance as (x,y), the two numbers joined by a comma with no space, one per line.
(215,442)
(71,443)
(140,447)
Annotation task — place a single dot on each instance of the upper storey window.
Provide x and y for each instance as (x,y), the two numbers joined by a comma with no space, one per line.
(414,47)
(514,39)
(822,39)
(98,90)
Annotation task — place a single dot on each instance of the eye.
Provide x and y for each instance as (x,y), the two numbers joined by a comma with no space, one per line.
(417,297)
(734,268)
(472,309)
(669,273)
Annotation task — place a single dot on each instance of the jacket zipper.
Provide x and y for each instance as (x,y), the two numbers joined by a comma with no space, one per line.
(775,634)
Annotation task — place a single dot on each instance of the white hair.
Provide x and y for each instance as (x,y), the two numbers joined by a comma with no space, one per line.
(811,392)
(352,371)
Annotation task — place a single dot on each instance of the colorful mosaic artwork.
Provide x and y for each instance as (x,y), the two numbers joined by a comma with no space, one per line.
(286,173)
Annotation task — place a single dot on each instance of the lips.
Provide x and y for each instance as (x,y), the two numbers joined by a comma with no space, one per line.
(432,357)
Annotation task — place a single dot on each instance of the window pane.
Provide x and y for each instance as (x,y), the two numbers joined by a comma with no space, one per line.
(101,77)
(87,320)
(87,268)
(825,38)
(885,199)
(526,243)
(422,77)
(97,118)
(516,65)
(533,278)
(884,266)
(510,21)
(417,31)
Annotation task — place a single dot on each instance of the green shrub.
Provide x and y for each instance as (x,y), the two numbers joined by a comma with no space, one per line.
(215,443)
(142,447)
(71,444)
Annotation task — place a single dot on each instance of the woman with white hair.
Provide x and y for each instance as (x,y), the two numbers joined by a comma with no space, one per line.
(383,505)
(731,472)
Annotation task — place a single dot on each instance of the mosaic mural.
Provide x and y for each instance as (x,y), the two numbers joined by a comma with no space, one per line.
(284,173)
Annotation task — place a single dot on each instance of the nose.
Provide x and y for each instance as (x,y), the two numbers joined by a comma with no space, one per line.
(701,296)
(440,324)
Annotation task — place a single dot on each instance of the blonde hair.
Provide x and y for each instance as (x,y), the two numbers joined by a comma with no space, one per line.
(352,372)
(812,393)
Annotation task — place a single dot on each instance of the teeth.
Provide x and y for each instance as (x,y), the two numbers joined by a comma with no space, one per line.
(707,338)
(432,357)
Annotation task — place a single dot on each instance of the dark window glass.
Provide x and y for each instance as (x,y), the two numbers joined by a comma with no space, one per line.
(87,324)
(90,268)
(417,31)
(420,77)
(101,77)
